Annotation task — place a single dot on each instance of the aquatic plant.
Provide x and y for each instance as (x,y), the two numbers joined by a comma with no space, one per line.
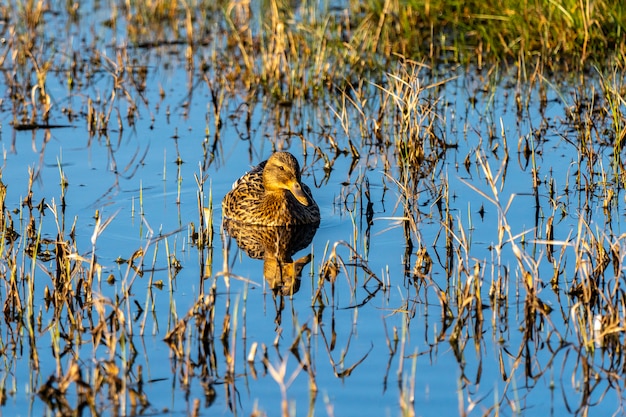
(468,154)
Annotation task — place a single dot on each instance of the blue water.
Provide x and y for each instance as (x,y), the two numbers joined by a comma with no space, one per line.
(132,174)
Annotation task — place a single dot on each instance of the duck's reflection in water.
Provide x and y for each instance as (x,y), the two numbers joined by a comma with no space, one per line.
(275,246)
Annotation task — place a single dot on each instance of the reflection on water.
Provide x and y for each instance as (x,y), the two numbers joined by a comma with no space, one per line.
(276,247)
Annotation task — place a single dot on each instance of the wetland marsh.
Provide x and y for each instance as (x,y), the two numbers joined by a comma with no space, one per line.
(466,159)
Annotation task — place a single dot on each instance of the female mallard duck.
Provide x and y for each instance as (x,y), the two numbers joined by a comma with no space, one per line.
(272,194)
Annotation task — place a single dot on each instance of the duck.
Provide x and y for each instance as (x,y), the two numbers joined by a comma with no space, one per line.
(272,194)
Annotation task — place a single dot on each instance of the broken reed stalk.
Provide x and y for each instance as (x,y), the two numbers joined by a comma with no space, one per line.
(335,263)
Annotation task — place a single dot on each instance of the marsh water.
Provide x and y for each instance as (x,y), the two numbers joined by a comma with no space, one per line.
(446,278)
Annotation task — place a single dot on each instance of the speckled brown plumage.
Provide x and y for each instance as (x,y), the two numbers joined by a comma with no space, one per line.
(272,194)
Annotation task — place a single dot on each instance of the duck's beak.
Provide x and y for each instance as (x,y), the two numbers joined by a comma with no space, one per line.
(297,192)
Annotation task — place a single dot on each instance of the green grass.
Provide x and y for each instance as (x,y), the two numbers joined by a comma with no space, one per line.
(304,50)
(362,40)
(570,33)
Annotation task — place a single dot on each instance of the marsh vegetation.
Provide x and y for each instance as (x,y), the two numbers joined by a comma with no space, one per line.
(466,158)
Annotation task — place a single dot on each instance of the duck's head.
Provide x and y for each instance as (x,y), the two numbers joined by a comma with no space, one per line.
(282,172)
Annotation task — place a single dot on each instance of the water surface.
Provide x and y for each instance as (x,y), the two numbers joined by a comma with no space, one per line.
(466,336)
